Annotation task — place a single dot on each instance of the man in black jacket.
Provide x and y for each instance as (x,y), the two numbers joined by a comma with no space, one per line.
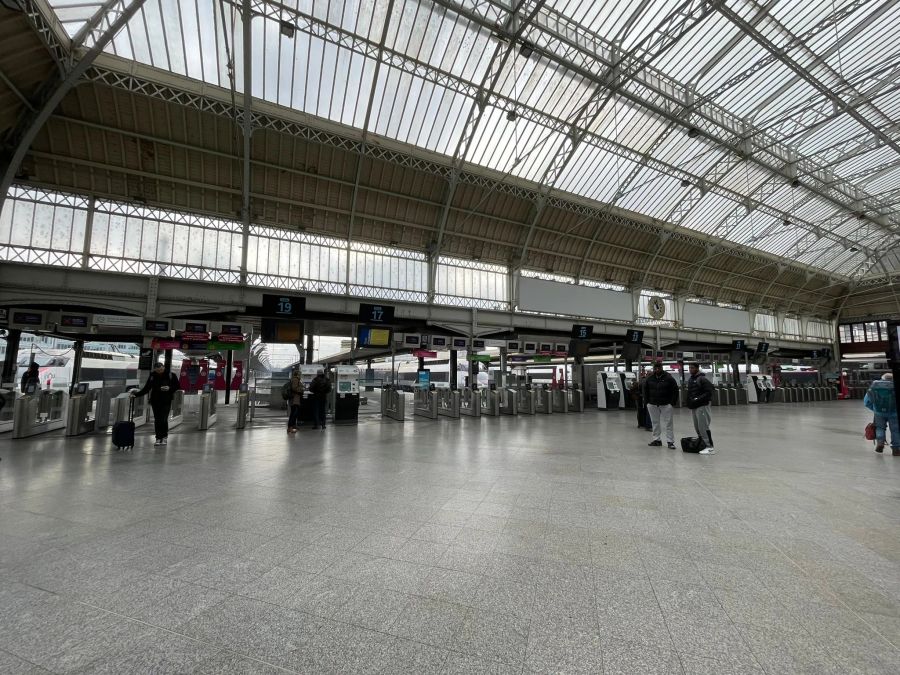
(320,387)
(661,395)
(162,387)
(700,393)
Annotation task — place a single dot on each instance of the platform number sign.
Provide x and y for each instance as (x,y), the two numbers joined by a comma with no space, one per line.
(377,314)
(283,306)
(634,337)
(582,331)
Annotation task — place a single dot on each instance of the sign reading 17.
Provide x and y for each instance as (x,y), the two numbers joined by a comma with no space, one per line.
(377,313)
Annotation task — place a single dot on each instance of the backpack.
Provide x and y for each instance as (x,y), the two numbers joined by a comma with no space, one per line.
(286,390)
(881,398)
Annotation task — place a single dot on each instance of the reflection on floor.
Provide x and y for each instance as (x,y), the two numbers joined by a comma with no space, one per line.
(530,545)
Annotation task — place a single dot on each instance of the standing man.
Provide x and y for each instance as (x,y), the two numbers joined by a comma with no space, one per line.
(162,387)
(320,387)
(296,398)
(700,393)
(31,376)
(660,395)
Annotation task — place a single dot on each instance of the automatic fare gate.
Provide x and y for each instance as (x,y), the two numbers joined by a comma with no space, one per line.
(470,402)
(38,411)
(393,403)
(89,410)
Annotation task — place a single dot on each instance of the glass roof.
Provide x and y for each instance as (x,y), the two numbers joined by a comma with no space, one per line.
(752,77)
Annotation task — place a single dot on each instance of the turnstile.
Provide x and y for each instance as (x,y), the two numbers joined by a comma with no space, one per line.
(242,403)
(89,410)
(527,404)
(490,402)
(426,403)
(543,400)
(470,402)
(207,415)
(6,413)
(39,411)
(176,413)
(393,403)
(576,400)
(509,401)
(560,400)
(448,403)
(121,404)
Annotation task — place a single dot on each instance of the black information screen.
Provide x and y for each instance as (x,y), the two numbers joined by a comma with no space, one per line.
(190,327)
(582,331)
(739,345)
(231,329)
(283,306)
(634,337)
(762,348)
(73,320)
(437,341)
(156,326)
(27,318)
(376,313)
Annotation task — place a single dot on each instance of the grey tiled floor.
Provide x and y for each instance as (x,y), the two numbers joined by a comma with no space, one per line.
(535,545)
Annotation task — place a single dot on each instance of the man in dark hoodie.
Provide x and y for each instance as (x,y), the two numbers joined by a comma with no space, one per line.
(700,393)
(161,385)
(661,395)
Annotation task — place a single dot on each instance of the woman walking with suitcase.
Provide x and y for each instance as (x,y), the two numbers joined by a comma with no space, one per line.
(161,386)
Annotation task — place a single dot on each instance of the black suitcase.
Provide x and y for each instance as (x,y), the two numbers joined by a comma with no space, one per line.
(692,445)
(123,432)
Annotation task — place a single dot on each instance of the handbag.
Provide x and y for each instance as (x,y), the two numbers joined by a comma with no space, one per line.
(870,431)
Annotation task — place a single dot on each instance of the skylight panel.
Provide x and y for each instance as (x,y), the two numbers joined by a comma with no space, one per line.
(709,212)
(652,193)
(595,173)
(518,147)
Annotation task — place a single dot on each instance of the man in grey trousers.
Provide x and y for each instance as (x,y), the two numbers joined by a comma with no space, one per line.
(699,395)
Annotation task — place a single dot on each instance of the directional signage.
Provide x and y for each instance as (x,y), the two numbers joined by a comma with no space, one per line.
(376,313)
(582,331)
(634,336)
(739,345)
(283,306)
(485,358)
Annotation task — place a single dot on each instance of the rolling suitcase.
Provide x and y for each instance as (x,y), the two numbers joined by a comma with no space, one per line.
(123,432)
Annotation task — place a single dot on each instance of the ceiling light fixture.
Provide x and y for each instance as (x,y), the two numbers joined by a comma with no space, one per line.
(693,133)
(685,183)
(511,115)
(527,49)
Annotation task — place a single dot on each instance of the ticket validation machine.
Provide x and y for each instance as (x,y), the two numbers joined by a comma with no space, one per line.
(755,389)
(626,379)
(346,394)
(608,391)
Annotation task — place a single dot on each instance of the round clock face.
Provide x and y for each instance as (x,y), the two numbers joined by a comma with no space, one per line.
(657,307)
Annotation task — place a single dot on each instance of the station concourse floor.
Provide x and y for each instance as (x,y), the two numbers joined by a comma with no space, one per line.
(558,544)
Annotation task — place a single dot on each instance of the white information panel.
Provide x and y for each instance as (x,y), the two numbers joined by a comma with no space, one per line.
(716,318)
(553,297)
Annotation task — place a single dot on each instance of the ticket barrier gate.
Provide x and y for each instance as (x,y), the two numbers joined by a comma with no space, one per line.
(121,404)
(448,403)
(242,402)
(543,400)
(426,403)
(393,403)
(490,402)
(176,413)
(39,411)
(207,416)
(560,400)
(509,401)
(88,410)
(526,399)
(470,402)
(726,395)
(575,398)
(6,413)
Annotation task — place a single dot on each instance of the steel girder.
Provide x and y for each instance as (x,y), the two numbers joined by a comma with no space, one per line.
(514,26)
(562,41)
(101,29)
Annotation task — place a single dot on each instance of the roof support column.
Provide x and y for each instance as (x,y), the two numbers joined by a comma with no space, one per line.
(247,132)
